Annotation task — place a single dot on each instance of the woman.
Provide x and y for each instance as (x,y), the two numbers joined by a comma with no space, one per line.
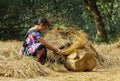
(34,44)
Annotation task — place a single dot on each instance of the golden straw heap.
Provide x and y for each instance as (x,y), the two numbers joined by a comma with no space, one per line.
(78,52)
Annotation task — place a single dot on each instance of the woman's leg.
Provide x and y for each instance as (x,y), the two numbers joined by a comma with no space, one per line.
(38,50)
(39,55)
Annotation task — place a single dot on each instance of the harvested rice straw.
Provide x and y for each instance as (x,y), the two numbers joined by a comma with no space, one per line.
(80,42)
(25,67)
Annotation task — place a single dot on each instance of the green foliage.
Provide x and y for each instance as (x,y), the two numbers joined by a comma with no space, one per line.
(110,12)
(17,14)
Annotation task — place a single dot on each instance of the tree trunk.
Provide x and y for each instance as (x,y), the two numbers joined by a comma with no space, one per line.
(100,28)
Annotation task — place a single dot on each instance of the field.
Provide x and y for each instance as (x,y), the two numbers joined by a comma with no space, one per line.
(108,70)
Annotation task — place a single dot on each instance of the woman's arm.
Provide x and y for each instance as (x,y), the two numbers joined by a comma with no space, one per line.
(49,46)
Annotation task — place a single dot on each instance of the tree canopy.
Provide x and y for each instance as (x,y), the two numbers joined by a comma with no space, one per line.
(16,16)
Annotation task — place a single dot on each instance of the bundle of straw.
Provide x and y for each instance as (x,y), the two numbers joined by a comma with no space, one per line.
(70,39)
(21,66)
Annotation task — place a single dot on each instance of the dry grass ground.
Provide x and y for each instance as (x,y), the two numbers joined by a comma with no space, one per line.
(108,70)
(72,76)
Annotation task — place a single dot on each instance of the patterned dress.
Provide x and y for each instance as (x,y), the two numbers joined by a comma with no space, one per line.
(31,46)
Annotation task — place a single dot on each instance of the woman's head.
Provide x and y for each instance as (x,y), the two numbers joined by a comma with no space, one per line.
(42,23)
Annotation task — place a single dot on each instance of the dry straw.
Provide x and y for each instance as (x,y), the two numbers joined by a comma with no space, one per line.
(17,66)
(107,55)
(14,65)
(70,40)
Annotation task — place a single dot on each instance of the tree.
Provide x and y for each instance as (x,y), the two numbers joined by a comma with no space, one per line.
(19,14)
(100,28)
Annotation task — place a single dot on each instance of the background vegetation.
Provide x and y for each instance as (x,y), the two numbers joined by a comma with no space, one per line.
(16,16)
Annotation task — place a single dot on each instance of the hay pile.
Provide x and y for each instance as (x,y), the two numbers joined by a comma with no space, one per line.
(108,57)
(61,36)
(25,67)
(14,65)
(70,40)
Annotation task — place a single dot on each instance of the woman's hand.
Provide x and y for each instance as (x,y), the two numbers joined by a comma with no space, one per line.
(59,52)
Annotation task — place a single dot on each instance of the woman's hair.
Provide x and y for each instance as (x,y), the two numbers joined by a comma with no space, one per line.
(43,21)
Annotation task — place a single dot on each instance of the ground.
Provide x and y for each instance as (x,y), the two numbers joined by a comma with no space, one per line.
(111,73)
(72,76)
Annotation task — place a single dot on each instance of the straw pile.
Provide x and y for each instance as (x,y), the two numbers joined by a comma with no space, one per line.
(68,39)
(72,40)
(14,65)
(108,56)
(75,46)
(26,67)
